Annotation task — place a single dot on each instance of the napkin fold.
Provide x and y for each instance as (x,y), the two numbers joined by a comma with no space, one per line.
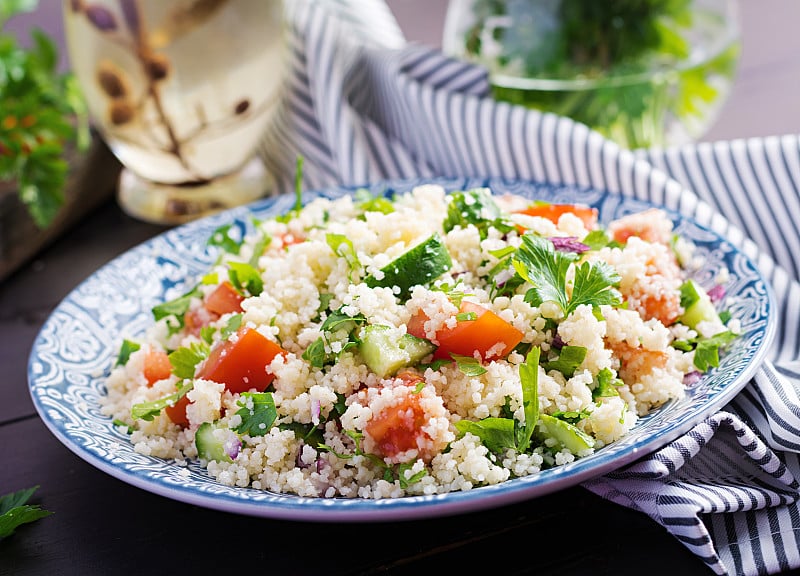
(363,106)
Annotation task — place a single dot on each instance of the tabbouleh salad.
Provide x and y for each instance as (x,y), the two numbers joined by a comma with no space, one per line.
(379,347)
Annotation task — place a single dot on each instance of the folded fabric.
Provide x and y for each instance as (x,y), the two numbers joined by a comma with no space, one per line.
(362,107)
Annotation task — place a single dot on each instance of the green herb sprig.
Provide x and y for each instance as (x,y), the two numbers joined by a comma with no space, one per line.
(42,111)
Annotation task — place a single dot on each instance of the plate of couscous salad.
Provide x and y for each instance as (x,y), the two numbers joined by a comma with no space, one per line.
(401,350)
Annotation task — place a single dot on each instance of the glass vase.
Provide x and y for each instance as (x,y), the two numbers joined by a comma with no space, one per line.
(644,73)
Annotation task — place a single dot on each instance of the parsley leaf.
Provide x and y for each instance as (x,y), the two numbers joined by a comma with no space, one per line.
(476,207)
(222,238)
(343,247)
(594,284)
(128,347)
(256,421)
(245,278)
(529,378)
(149,410)
(258,249)
(706,355)
(185,359)
(497,434)
(605,385)
(413,479)
(538,262)
(177,307)
(14,511)
(568,360)
(468,365)
(366,202)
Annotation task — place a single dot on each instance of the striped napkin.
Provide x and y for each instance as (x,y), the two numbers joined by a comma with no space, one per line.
(363,106)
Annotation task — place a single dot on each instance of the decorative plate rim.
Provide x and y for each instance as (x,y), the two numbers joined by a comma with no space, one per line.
(59,389)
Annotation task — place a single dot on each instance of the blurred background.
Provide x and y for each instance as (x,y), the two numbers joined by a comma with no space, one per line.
(765,94)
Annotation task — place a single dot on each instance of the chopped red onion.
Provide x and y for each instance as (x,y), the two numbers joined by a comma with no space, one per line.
(322,464)
(503,276)
(315,411)
(568,244)
(557,342)
(232,446)
(717,293)
(692,378)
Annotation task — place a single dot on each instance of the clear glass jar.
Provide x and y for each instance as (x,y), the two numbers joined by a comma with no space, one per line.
(642,72)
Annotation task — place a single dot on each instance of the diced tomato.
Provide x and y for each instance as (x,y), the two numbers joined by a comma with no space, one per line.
(481,335)
(177,412)
(397,428)
(554,211)
(224,299)
(289,238)
(156,366)
(240,363)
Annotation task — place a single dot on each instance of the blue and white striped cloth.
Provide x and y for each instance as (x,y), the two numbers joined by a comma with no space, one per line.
(363,106)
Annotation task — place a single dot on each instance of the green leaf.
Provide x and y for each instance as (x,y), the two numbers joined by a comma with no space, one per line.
(128,347)
(497,434)
(468,365)
(478,208)
(185,359)
(597,239)
(231,326)
(315,353)
(221,237)
(594,285)
(706,355)
(529,378)
(258,249)
(245,278)
(466,316)
(149,410)
(256,421)
(537,261)
(343,247)
(605,385)
(14,511)
(338,319)
(413,479)
(366,202)
(568,360)
(177,307)
(308,433)
(689,294)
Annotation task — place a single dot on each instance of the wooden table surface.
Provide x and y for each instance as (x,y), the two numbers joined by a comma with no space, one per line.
(103,526)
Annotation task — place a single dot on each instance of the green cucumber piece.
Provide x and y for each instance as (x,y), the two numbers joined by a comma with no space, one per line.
(698,307)
(421,265)
(568,436)
(385,354)
(211,445)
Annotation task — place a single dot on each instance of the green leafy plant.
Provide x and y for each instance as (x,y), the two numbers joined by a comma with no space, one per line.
(41,111)
(15,511)
(620,67)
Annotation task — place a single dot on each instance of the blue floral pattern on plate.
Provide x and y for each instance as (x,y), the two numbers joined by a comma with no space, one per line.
(78,344)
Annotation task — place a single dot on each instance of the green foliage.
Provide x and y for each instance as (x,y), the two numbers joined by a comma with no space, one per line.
(185,359)
(612,47)
(37,105)
(149,410)
(256,421)
(14,509)
(540,264)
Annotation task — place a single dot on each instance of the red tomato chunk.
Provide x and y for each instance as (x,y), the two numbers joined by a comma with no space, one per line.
(482,334)
(554,211)
(397,428)
(241,363)
(156,366)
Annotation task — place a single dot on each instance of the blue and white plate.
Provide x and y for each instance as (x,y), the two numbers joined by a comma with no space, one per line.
(76,347)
